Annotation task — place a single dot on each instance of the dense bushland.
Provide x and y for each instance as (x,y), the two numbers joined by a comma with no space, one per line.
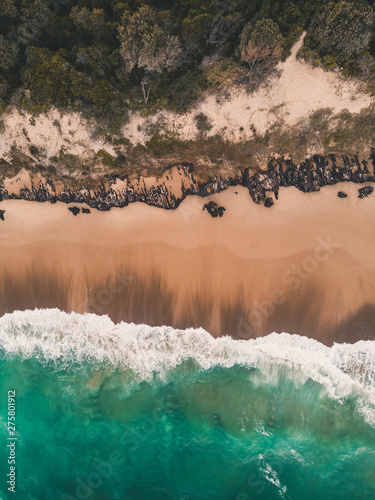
(105,57)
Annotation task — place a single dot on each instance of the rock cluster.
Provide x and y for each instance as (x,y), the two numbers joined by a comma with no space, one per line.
(365,191)
(213,209)
(309,175)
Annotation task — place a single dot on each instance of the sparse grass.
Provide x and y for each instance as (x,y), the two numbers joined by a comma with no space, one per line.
(18,161)
(322,133)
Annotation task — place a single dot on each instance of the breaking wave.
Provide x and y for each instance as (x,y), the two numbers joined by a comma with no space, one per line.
(71,340)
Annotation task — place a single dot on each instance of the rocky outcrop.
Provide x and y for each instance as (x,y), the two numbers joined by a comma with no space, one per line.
(213,209)
(109,194)
(310,175)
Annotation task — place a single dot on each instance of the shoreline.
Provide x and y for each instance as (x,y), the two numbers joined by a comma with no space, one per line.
(304,266)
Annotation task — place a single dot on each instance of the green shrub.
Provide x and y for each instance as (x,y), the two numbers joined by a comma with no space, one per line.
(34,150)
(105,158)
(181,91)
(160,145)
(202,123)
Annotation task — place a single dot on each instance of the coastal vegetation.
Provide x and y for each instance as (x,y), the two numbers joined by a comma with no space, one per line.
(90,88)
(105,58)
(322,133)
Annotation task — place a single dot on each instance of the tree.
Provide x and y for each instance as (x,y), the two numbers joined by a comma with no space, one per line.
(3,88)
(146,45)
(92,22)
(261,44)
(94,60)
(196,29)
(53,81)
(221,29)
(33,20)
(48,76)
(341,31)
(7,8)
(8,53)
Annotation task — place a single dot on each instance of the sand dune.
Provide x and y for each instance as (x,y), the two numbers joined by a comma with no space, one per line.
(291,96)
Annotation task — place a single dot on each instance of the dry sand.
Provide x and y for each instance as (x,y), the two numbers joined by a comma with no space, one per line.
(292,96)
(51,133)
(306,265)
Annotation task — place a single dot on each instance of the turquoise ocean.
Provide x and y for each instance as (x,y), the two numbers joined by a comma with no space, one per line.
(106,411)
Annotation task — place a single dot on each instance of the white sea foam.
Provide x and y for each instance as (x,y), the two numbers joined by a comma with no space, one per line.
(344,370)
(271,476)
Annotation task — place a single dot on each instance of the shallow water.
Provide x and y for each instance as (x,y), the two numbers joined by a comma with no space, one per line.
(126,411)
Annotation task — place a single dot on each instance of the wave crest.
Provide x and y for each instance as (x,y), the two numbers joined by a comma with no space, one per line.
(344,370)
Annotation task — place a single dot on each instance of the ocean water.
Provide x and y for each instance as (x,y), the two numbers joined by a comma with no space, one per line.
(126,411)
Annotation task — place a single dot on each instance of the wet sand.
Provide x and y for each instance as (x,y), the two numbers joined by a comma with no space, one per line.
(306,265)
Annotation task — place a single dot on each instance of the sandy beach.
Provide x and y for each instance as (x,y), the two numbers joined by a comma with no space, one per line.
(305,265)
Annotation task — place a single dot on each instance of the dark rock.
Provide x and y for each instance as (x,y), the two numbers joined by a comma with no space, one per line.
(253,185)
(281,175)
(2,212)
(366,172)
(268,203)
(221,211)
(306,176)
(213,209)
(365,191)
(357,176)
(86,211)
(75,210)
(277,194)
(269,180)
(256,191)
(341,194)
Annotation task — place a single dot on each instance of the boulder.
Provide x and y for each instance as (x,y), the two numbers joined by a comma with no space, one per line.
(75,210)
(221,211)
(341,194)
(365,191)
